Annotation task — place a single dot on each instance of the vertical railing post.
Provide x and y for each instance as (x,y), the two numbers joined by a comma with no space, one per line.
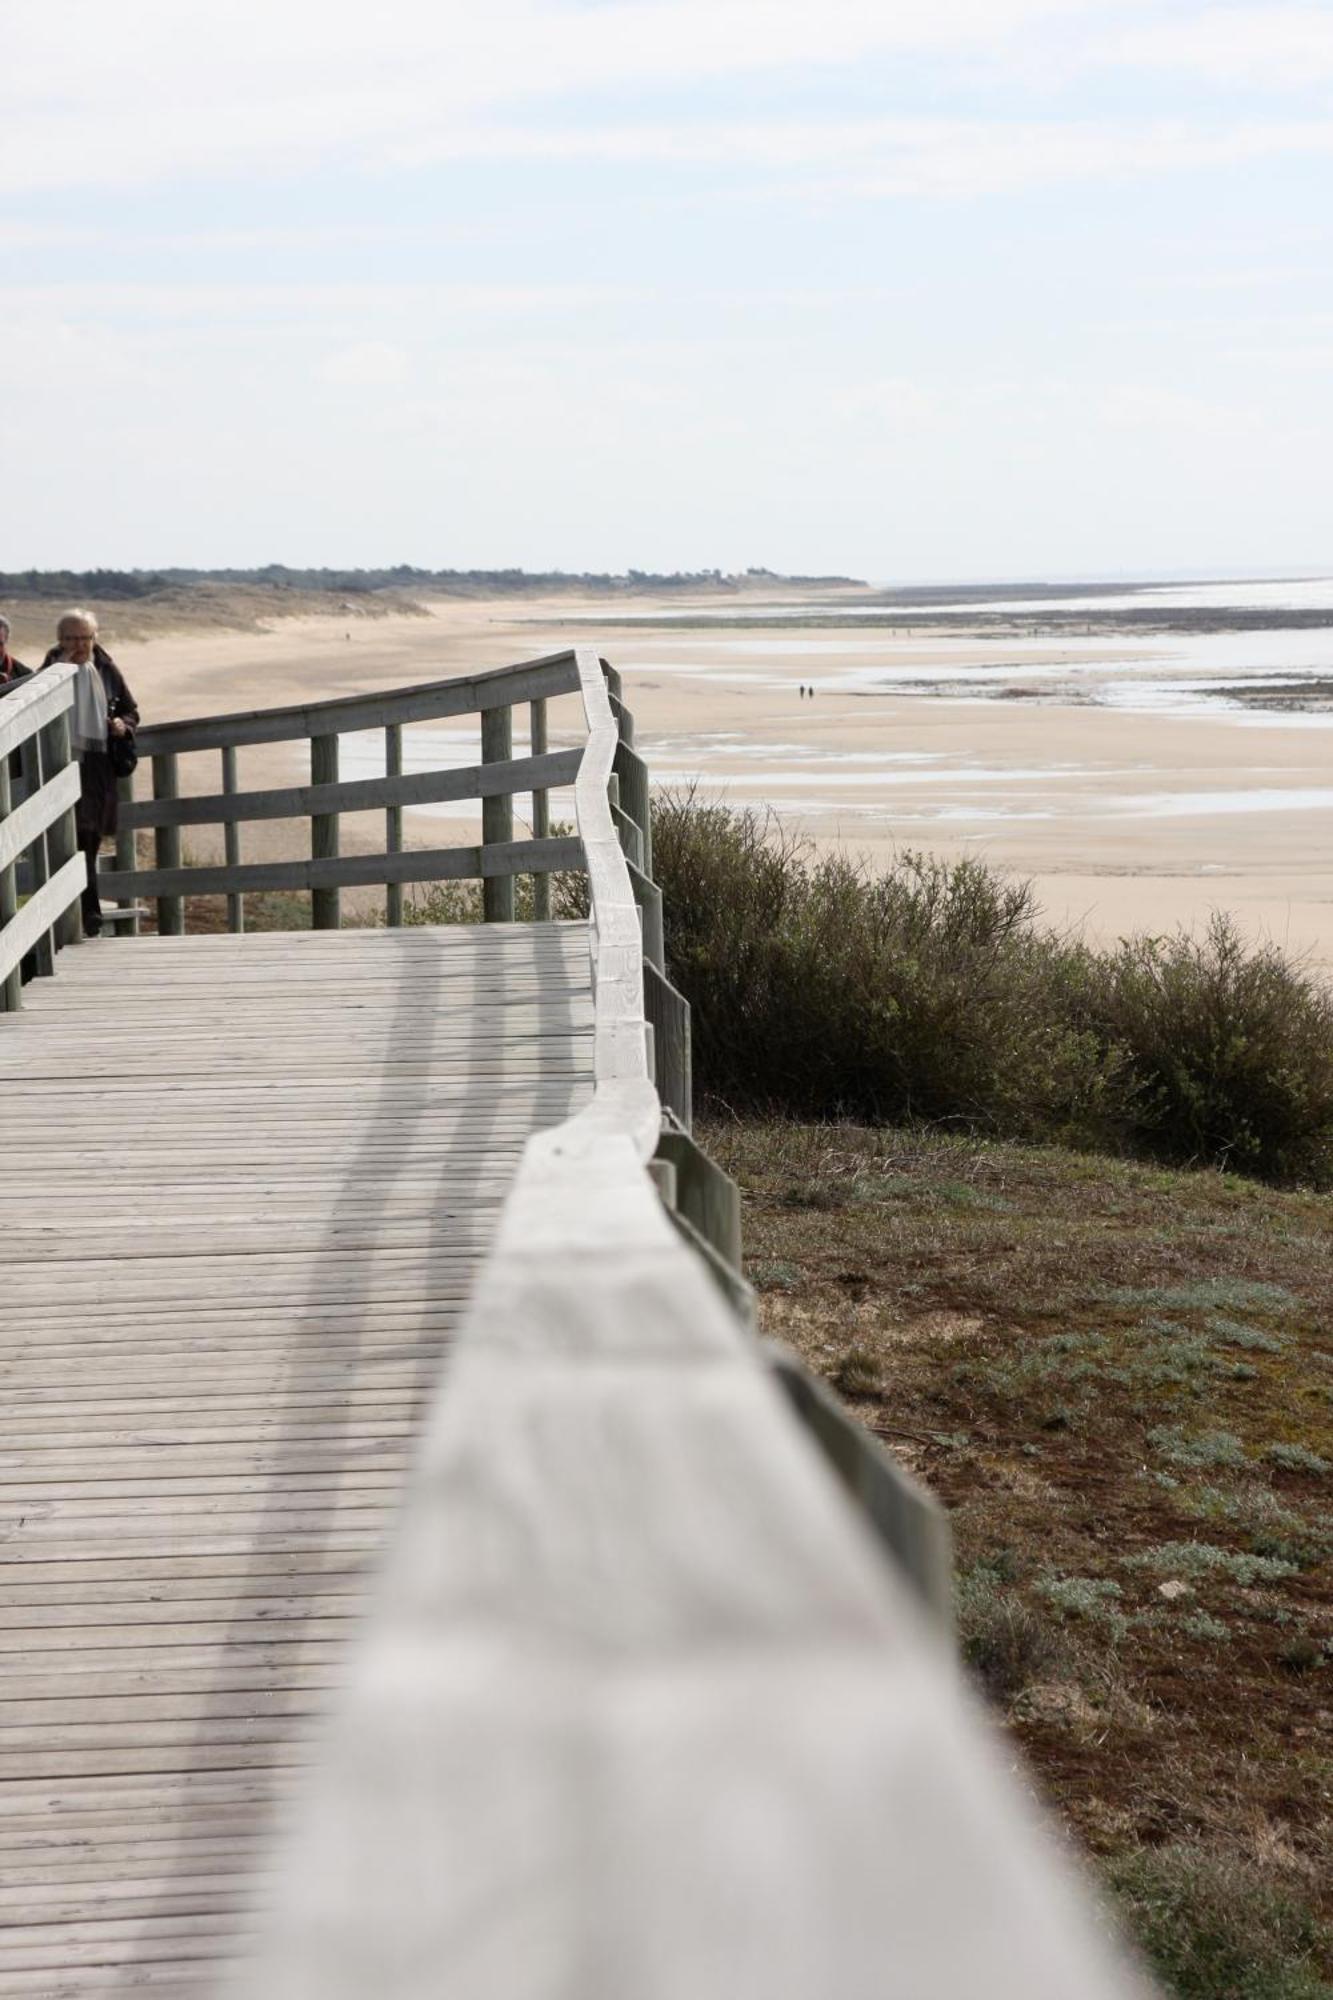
(634,800)
(393,822)
(126,855)
(325,904)
(126,851)
(497,813)
(34,772)
(231,841)
(649,899)
(62,837)
(167,843)
(541,812)
(11,987)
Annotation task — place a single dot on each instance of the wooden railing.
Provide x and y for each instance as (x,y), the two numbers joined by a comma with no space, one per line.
(493,781)
(658,1695)
(42,872)
(646,1708)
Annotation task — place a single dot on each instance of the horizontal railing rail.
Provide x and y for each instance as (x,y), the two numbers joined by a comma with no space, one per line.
(470,781)
(430,701)
(641,1708)
(39,790)
(498,860)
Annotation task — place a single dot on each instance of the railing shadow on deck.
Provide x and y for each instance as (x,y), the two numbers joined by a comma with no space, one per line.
(369,1183)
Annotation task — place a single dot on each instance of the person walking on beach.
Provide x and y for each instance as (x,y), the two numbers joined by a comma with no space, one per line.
(103,709)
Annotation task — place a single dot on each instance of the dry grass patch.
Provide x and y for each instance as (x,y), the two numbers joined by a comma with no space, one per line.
(1120,1381)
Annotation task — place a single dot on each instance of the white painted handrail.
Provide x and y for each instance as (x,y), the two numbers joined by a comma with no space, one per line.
(642,1712)
(39,700)
(33,719)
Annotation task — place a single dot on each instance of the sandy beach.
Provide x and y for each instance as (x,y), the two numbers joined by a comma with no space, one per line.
(1125,818)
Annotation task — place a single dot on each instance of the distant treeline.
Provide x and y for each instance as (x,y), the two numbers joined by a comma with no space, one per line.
(132,583)
(75,583)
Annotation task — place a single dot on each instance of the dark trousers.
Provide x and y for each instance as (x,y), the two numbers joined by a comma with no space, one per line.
(89,842)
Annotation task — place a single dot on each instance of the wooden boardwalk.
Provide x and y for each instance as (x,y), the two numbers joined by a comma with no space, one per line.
(248,1184)
(649,1692)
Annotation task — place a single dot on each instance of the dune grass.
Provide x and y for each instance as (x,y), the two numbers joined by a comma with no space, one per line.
(1119,1380)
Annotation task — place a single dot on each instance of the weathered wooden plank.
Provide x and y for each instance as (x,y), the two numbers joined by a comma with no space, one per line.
(42,810)
(324,832)
(166,850)
(198,1478)
(497,813)
(30,706)
(231,835)
(428,702)
(393,821)
(440,864)
(41,912)
(541,806)
(10,982)
(394,791)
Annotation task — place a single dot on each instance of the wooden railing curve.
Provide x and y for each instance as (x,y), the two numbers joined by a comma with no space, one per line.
(38,843)
(641,1712)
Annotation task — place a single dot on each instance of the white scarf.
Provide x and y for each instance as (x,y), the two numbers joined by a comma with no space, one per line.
(88,722)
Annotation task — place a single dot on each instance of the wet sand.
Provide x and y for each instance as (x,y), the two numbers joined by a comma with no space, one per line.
(1124,821)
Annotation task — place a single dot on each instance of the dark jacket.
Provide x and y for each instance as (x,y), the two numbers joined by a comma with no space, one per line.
(12,672)
(96,811)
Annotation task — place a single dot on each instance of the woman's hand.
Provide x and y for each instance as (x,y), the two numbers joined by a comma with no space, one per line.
(118,728)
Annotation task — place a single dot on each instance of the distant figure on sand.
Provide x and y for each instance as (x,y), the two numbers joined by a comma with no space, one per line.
(103,708)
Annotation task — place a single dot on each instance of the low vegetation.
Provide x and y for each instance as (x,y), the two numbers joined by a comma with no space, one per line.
(928,994)
(1119,1380)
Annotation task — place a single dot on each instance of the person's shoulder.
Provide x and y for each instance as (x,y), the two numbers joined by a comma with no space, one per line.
(107,664)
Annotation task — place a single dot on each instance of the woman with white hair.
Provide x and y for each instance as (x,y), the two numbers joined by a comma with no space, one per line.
(103,709)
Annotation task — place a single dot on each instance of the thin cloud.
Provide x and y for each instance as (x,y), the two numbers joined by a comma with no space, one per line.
(118,96)
(1272,46)
(899,157)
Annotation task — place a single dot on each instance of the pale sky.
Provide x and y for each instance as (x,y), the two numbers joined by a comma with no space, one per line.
(943,289)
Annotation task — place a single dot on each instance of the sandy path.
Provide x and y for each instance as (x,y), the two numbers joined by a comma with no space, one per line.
(1123,821)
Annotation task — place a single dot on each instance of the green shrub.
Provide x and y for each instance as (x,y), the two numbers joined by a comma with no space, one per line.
(926,993)
(1003,1639)
(1232,1048)
(819,989)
